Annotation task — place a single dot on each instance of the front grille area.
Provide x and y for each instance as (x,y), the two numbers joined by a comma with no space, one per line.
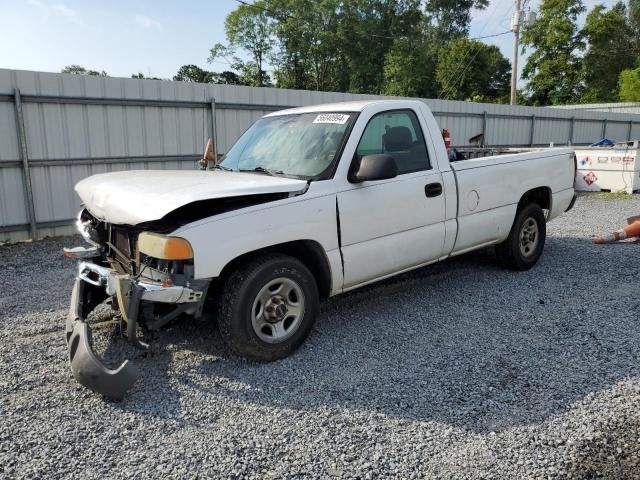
(121,248)
(118,242)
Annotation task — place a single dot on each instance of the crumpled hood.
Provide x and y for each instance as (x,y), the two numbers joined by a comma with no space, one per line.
(132,197)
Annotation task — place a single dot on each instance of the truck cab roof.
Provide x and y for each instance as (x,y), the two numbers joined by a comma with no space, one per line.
(356,106)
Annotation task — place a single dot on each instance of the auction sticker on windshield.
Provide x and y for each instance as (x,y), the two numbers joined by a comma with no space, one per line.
(340,118)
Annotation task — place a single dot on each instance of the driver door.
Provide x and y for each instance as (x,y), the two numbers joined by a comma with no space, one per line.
(391,225)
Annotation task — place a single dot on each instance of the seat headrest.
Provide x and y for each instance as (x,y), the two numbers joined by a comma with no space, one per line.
(396,139)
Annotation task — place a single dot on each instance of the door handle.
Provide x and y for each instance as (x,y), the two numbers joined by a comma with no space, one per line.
(433,189)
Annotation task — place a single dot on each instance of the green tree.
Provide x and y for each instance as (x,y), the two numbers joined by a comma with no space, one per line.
(452,17)
(634,19)
(483,75)
(410,65)
(366,34)
(226,78)
(554,68)
(142,76)
(308,51)
(630,85)
(248,27)
(193,73)
(78,70)
(610,39)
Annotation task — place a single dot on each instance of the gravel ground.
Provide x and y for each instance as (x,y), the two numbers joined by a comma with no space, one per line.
(459,370)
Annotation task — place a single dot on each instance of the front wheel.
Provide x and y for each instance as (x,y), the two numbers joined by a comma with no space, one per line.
(268,307)
(523,247)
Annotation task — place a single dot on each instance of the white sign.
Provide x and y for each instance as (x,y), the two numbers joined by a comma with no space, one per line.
(339,118)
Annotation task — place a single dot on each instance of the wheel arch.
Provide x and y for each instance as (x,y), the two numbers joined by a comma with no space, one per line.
(540,195)
(309,252)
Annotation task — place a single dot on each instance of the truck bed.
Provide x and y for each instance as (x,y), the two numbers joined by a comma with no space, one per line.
(488,197)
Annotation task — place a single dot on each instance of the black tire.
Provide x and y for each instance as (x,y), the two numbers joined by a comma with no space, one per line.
(236,314)
(509,253)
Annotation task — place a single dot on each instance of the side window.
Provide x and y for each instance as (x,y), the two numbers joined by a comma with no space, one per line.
(397,134)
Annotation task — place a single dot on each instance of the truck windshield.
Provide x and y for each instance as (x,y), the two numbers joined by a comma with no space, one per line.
(298,145)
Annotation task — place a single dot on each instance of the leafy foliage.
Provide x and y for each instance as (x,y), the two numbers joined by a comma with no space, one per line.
(420,48)
(452,19)
(308,53)
(141,76)
(78,70)
(553,68)
(410,65)
(630,85)
(472,70)
(360,46)
(193,73)
(249,28)
(610,39)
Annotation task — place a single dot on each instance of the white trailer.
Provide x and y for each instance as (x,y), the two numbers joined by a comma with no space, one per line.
(615,168)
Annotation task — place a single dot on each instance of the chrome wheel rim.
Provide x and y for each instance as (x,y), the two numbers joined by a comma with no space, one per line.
(529,237)
(277,310)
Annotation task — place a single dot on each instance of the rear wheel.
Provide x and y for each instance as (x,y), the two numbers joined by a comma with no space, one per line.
(525,243)
(268,307)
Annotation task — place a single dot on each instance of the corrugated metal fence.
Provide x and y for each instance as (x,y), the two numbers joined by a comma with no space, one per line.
(618,107)
(56,129)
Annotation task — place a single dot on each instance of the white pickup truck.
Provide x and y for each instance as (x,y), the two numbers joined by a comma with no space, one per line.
(309,203)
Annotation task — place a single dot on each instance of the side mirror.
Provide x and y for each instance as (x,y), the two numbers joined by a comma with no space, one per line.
(372,167)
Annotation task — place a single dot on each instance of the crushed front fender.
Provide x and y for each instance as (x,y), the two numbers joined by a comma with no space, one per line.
(88,369)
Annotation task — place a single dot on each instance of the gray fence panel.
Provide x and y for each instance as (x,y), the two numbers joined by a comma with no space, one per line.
(619,107)
(78,126)
(13,210)
(587,132)
(617,130)
(9,149)
(547,131)
(464,127)
(507,131)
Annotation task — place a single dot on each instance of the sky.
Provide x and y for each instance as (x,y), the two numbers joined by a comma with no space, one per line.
(153,37)
(496,18)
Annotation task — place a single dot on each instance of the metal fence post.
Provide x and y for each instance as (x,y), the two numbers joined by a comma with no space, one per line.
(571,129)
(213,129)
(533,130)
(604,128)
(484,128)
(629,130)
(26,175)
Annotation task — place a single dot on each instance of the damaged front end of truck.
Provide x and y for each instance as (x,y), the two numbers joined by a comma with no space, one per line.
(137,261)
(148,277)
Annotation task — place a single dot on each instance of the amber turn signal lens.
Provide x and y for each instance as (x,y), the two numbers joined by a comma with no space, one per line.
(164,247)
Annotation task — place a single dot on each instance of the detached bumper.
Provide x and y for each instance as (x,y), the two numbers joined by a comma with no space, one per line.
(87,368)
(94,284)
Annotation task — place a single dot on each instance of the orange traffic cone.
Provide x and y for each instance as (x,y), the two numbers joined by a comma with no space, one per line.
(630,231)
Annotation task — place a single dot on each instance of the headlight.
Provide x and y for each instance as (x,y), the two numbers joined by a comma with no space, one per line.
(164,247)
(86,228)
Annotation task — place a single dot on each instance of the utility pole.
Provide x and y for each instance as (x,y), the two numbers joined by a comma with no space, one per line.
(515,27)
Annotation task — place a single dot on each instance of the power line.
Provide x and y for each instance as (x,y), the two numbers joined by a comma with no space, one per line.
(265,9)
(447,86)
(447,90)
(489,36)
